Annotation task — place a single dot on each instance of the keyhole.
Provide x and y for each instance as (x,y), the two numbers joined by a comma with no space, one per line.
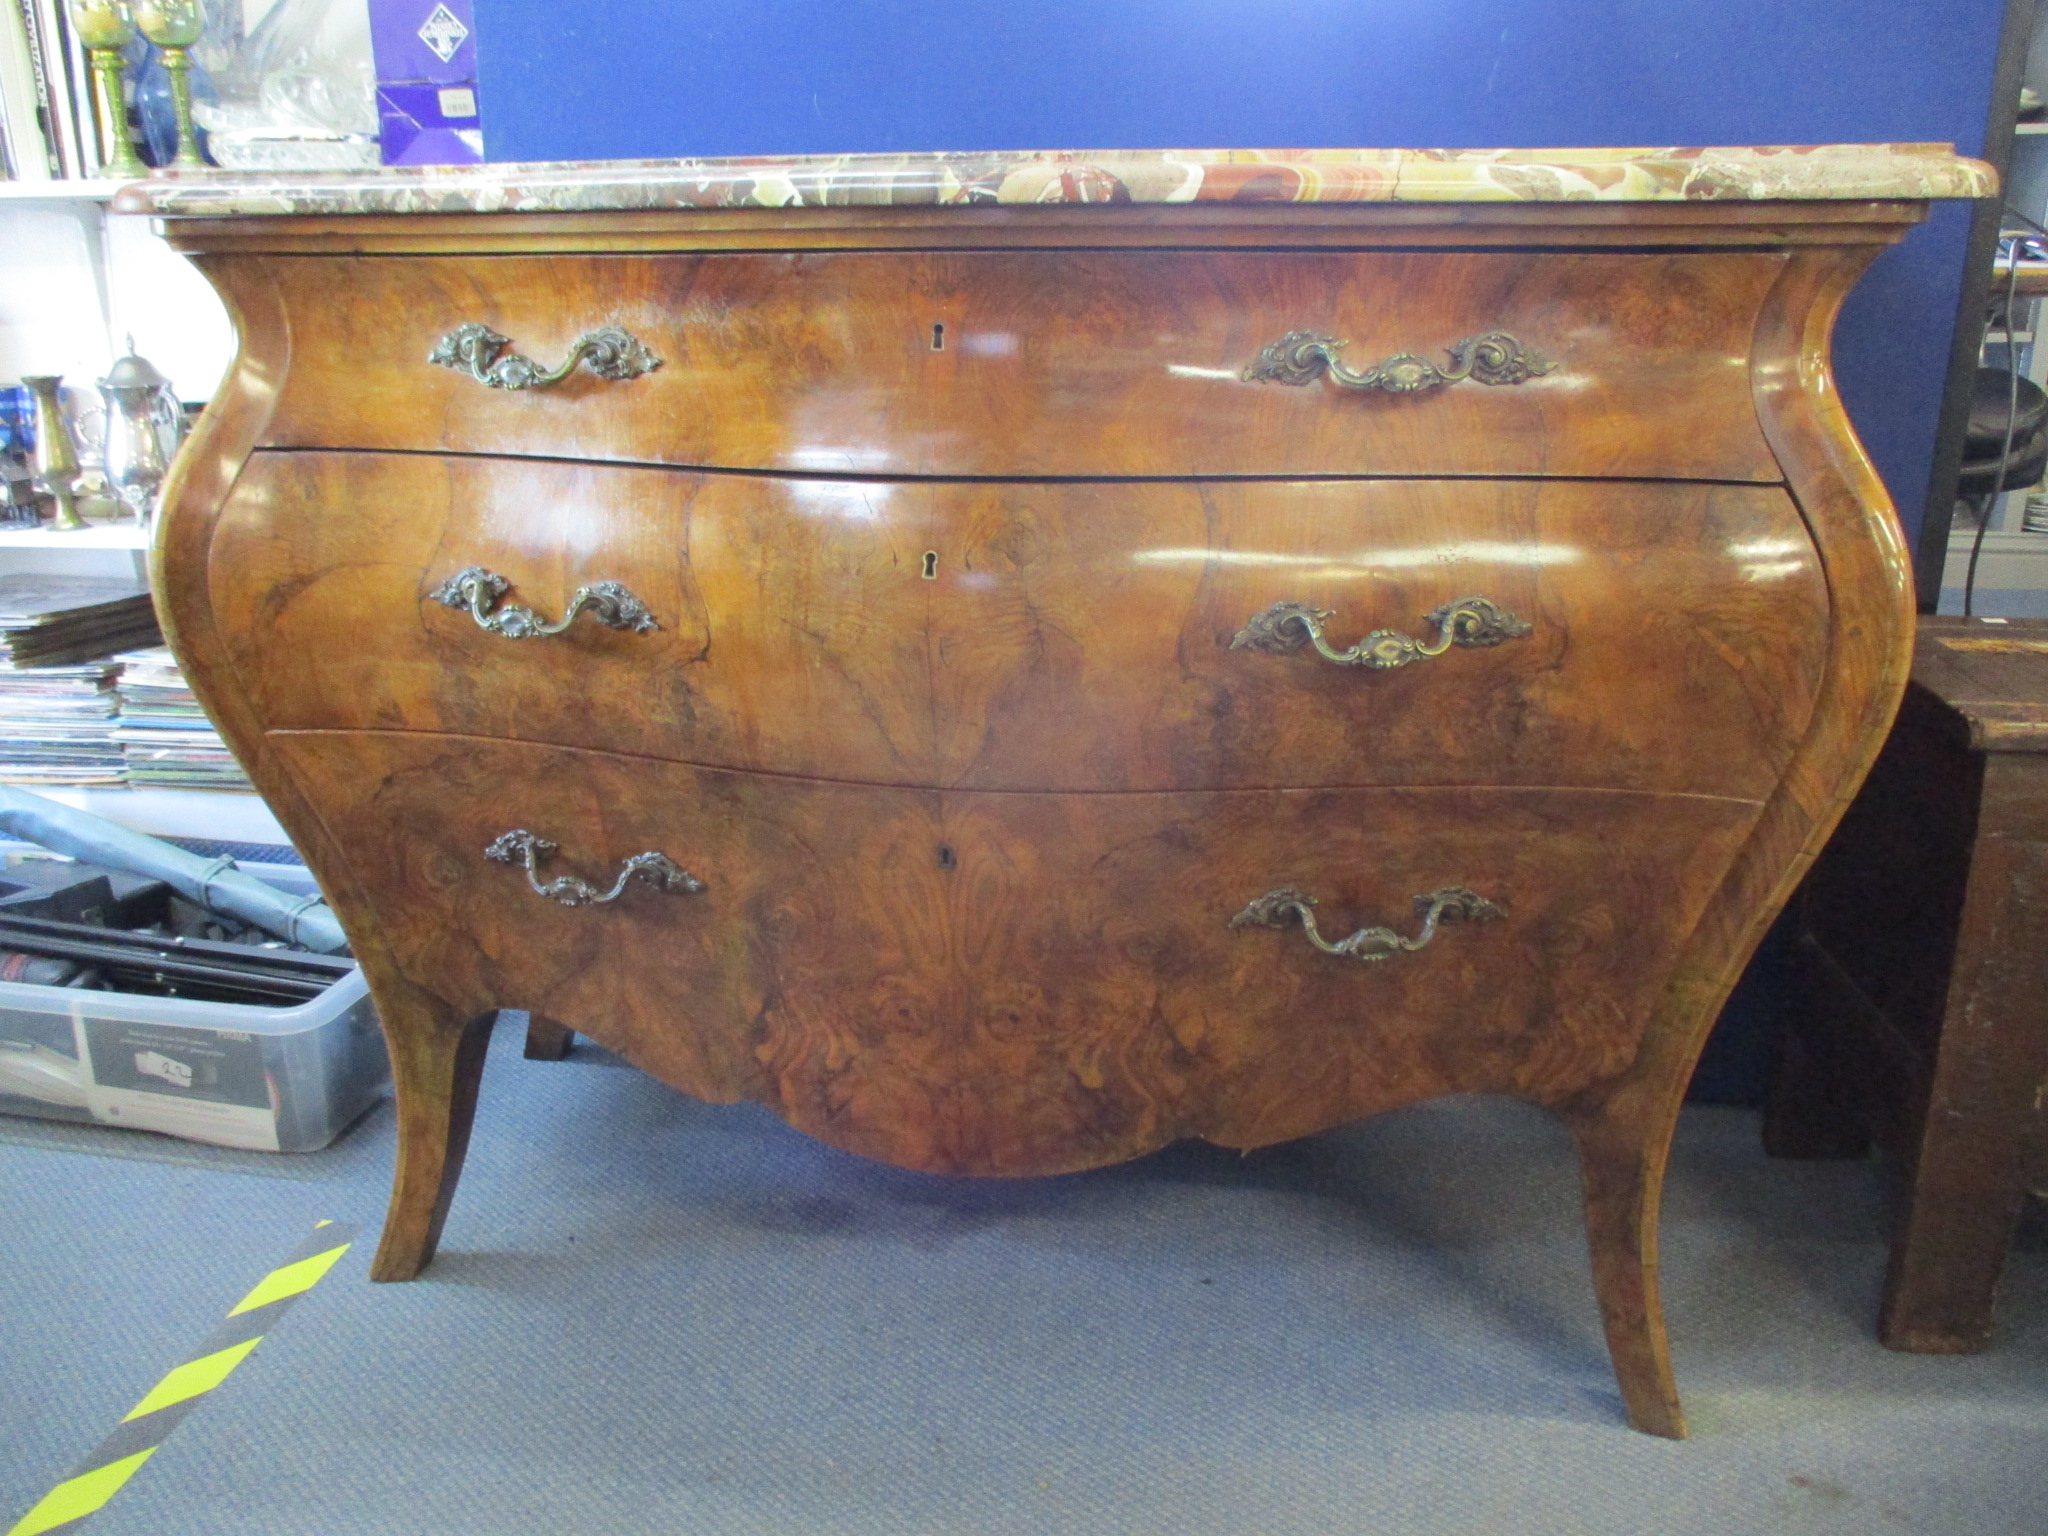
(946,859)
(931,565)
(939,338)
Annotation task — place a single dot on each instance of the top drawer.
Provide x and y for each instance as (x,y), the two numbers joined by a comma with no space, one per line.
(1037,363)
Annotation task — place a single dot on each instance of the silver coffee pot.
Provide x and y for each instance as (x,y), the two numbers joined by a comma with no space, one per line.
(143,428)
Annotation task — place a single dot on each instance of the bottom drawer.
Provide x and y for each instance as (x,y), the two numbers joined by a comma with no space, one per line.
(1022,983)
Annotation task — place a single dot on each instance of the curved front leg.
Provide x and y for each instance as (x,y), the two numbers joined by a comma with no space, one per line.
(437,1063)
(1622,1153)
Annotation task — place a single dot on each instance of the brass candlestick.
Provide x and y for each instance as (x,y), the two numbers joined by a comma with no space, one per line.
(106,27)
(174,26)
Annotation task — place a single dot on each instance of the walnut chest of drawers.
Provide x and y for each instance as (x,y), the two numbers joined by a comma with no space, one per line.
(1010,661)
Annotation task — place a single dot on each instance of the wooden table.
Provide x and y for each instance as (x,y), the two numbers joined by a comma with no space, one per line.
(1920,1015)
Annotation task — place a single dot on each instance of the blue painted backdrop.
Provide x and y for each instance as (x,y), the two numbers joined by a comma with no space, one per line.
(693,77)
(689,77)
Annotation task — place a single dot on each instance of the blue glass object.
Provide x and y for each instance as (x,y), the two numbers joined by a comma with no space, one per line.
(149,91)
(17,420)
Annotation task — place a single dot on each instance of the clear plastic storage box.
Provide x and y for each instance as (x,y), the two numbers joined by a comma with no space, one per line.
(270,1079)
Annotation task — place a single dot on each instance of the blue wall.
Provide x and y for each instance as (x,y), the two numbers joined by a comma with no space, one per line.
(717,77)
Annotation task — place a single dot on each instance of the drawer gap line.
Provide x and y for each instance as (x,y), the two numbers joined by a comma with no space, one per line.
(879,478)
(957,789)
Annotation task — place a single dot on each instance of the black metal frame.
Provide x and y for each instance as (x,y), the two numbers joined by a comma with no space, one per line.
(1967,347)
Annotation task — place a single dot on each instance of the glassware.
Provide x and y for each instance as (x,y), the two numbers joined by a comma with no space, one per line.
(300,93)
(174,26)
(106,27)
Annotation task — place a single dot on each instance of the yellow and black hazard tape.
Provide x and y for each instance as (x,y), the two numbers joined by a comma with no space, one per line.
(118,1457)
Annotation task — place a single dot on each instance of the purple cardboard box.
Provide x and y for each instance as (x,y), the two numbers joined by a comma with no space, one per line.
(426,81)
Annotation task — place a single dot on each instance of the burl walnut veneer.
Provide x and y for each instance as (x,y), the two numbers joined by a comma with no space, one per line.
(1013,661)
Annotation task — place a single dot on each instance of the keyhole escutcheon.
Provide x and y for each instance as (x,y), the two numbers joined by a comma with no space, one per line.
(931,565)
(938,336)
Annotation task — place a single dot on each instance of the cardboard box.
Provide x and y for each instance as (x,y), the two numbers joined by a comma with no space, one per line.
(426,81)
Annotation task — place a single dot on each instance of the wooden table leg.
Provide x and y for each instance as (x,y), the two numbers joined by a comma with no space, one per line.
(1814,1107)
(1970,1151)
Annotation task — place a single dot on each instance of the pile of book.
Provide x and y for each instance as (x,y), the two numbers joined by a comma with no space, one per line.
(60,621)
(48,127)
(164,735)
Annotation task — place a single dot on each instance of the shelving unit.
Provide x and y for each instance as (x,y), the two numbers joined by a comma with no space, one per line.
(59,191)
(99,549)
(209,813)
(76,280)
(95,536)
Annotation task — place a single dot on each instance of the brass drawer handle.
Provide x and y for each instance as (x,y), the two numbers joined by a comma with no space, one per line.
(478,590)
(1276,909)
(1302,357)
(1469,621)
(657,869)
(480,352)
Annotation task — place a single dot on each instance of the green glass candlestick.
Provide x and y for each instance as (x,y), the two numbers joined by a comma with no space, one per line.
(106,27)
(174,26)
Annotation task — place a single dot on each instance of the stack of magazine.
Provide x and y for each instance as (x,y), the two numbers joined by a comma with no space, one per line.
(57,726)
(58,708)
(165,736)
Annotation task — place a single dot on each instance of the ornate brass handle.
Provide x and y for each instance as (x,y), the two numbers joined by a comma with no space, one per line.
(1276,909)
(657,869)
(1302,357)
(1469,621)
(480,352)
(478,590)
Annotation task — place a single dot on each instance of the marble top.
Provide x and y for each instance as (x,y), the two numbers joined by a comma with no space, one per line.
(1752,173)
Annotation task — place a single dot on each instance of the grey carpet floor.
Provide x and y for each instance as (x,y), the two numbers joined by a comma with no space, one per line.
(652,1315)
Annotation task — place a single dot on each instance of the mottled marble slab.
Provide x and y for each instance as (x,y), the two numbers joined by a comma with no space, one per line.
(1755,173)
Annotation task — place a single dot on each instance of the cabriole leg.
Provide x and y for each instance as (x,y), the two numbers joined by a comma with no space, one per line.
(1621,1162)
(437,1061)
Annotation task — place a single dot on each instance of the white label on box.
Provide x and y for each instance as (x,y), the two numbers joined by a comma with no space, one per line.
(225,1125)
(458,101)
(252,1126)
(177,1073)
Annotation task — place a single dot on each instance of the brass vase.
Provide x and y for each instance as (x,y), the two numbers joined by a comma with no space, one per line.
(55,464)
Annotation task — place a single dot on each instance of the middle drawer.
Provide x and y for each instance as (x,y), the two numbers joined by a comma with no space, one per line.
(1073,636)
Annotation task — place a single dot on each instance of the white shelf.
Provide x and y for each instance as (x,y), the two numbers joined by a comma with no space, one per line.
(2029,129)
(222,815)
(94,191)
(91,536)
